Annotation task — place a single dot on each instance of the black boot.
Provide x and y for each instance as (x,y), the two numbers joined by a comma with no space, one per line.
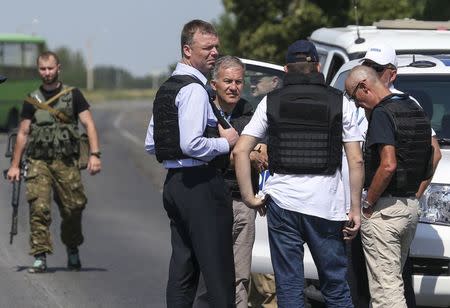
(73,259)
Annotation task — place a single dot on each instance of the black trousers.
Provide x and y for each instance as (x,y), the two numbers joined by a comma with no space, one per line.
(357,276)
(201,220)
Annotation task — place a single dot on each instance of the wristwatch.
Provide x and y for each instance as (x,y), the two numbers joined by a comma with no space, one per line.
(96,154)
(366,204)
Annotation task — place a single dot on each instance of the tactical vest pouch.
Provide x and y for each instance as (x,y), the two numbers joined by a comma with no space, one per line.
(84,152)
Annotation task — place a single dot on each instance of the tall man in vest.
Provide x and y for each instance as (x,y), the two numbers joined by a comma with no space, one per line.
(398,156)
(52,152)
(306,123)
(186,138)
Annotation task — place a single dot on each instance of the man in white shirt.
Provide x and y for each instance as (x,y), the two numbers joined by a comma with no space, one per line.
(305,195)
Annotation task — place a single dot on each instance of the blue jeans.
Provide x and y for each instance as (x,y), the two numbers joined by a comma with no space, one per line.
(288,231)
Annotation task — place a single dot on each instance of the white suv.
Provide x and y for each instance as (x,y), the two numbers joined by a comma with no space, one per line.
(337,46)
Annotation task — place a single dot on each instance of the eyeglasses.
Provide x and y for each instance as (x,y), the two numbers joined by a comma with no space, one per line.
(352,96)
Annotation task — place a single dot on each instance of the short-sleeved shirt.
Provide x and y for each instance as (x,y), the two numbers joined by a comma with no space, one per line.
(316,195)
(79,102)
(381,129)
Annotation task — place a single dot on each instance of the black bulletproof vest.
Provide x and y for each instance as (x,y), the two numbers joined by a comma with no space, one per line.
(240,117)
(305,126)
(165,117)
(414,152)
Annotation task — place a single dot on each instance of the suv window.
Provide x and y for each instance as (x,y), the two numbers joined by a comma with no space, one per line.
(336,62)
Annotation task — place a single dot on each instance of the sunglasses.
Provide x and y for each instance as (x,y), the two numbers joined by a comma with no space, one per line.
(255,79)
(352,95)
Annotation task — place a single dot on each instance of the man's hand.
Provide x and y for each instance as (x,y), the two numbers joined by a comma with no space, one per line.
(352,225)
(258,203)
(367,212)
(94,165)
(13,174)
(230,134)
(258,159)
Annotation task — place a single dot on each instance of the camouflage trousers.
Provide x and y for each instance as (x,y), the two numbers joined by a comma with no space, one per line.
(64,179)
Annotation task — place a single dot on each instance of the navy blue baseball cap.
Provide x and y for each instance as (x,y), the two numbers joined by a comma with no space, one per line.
(2,78)
(302,51)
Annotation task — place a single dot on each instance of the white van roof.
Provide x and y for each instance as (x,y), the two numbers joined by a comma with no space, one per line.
(405,36)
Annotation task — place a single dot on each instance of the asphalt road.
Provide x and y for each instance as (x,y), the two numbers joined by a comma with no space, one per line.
(127,242)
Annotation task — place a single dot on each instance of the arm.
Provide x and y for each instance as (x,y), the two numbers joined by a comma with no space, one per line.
(436,158)
(94,164)
(258,157)
(19,147)
(194,113)
(356,175)
(241,155)
(383,175)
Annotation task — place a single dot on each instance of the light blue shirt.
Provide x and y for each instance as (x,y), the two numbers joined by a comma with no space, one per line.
(194,114)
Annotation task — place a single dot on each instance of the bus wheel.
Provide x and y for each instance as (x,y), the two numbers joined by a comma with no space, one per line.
(13,120)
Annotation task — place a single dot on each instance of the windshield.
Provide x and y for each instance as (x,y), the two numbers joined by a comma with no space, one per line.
(431,91)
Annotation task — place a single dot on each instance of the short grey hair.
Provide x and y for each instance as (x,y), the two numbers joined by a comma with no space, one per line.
(226,62)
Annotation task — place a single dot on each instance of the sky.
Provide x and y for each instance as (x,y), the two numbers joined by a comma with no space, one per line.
(141,36)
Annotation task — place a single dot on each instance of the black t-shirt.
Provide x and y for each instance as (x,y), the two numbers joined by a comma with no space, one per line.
(381,128)
(79,102)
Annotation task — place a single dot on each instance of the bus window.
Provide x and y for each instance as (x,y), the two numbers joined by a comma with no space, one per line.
(12,54)
(30,53)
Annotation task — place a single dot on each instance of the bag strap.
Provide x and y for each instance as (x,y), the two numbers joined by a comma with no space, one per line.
(55,97)
(44,106)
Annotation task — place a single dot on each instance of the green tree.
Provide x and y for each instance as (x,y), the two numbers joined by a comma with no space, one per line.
(262,29)
(73,67)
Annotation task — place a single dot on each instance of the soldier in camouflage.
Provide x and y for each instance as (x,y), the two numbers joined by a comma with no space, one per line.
(52,146)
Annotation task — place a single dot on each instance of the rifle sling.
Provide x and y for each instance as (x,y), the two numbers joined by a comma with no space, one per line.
(58,114)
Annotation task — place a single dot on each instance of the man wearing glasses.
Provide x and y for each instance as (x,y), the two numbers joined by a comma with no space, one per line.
(398,158)
(382,58)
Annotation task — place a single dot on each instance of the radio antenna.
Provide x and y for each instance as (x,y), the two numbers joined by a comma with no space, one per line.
(359,40)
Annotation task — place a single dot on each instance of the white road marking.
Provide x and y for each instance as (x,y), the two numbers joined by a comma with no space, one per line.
(125,133)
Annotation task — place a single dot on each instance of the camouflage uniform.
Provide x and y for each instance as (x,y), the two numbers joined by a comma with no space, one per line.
(55,168)
(64,176)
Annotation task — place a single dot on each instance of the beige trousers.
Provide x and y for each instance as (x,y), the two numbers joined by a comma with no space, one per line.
(386,238)
(243,239)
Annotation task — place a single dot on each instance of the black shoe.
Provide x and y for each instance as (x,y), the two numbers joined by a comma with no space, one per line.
(73,259)
(39,265)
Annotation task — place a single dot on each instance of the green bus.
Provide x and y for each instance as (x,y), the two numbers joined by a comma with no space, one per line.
(18,53)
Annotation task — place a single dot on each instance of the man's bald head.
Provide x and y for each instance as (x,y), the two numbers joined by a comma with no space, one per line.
(366,80)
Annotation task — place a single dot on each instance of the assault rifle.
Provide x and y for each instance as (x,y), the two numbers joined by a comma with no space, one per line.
(15,184)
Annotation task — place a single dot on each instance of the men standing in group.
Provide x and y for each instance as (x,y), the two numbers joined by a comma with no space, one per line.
(382,58)
(228,82)
(186,138)
(305,198)
(52,152)
(398,156)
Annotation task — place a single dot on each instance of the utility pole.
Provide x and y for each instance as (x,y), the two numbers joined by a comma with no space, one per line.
(89,66)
